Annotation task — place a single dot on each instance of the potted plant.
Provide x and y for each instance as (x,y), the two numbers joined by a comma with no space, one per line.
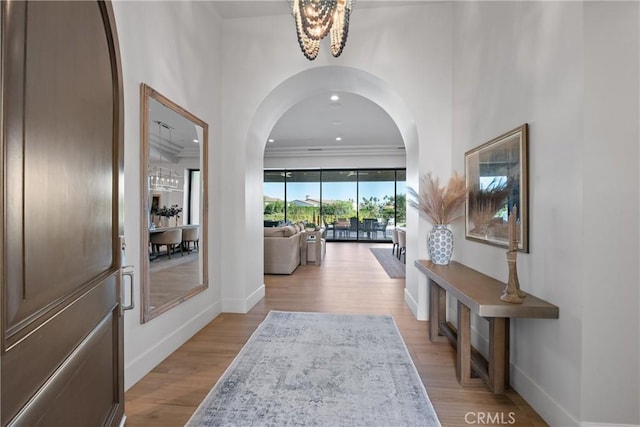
(169,212)
(442,205)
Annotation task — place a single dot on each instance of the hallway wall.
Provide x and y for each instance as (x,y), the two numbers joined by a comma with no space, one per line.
(570,70)
(174,47)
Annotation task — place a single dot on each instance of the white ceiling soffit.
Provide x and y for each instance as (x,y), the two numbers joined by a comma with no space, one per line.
(320,126)
(252,8)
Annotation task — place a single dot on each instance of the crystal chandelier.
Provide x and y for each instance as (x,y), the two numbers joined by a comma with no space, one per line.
(317,18)
(161,178)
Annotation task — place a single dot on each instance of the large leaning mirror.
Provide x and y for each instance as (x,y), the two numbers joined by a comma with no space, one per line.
(174,211)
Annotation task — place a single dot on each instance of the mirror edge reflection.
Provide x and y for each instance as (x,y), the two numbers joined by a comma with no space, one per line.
(147,313)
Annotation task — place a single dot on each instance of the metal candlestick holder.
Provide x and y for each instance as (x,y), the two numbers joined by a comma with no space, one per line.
(512,292)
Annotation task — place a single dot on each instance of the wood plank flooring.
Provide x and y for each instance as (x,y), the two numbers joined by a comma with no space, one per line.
(350,280)
(169,279)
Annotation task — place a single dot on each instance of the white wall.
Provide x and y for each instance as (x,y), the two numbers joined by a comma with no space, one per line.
(610,294)
(571,71)
(398,57)
(175,48)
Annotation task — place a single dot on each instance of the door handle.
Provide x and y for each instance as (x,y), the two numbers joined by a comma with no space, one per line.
(127,271)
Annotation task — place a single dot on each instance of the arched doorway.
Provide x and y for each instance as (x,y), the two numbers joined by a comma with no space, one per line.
(293,90)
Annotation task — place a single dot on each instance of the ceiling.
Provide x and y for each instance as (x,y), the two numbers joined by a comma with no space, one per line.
(251,8)
(320,125)
(311,127)
(171,135)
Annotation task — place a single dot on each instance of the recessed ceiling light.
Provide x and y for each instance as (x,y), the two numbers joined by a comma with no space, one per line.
(335,97)
(196,141)
(270,140)
(339,138)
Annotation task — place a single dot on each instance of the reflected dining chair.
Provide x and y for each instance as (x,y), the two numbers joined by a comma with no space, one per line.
(170,238)
(191,235)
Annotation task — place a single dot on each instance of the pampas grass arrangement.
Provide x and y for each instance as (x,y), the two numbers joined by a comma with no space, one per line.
(485,203)
(440,204)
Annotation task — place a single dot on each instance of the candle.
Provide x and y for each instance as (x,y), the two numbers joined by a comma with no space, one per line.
(513,233)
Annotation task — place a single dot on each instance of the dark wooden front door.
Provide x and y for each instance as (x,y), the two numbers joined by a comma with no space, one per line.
(61,360)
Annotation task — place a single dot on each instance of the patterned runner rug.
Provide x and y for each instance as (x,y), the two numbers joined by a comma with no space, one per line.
(301,369)
(395,268)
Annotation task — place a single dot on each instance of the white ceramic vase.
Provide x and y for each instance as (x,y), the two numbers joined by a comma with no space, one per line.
(440,244)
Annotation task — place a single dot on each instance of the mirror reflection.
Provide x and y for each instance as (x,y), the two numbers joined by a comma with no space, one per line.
(174,149)
(497,181)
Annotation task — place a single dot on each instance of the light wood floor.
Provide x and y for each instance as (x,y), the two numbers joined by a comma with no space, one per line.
(171,278)
(349,281)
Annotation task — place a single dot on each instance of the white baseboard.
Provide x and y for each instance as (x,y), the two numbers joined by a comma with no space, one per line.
(255,297)
(239,305)
(149,359)
(412,303)
(545,405)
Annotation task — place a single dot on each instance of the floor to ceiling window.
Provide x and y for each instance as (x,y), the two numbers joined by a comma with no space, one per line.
(273,199)
(352,204)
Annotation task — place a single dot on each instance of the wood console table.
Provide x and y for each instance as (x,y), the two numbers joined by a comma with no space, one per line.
(479,293)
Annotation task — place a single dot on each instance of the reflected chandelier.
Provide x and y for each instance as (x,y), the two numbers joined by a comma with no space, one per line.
(317,18)
(161,178)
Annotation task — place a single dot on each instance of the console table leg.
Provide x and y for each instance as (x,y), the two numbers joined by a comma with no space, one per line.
(437,311)
(498,354)
(463,354)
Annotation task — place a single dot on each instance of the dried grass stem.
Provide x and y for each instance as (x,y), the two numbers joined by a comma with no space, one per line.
(441,204)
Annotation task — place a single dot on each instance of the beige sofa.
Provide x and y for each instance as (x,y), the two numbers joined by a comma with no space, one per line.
(282,248)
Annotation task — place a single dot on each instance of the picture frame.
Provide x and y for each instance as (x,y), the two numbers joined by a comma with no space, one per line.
(497,180)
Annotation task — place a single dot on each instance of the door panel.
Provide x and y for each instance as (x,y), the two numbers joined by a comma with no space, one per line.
(76,381)
(60,336)
(67,168)
(61,361)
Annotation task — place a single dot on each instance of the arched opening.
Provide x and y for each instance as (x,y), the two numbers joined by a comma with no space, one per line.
(298,87)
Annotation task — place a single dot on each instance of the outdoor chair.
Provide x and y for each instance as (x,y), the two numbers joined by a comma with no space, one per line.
(369,226)
(355,226)
(382,227)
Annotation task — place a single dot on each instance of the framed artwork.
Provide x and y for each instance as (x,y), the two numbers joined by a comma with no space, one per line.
(497,180)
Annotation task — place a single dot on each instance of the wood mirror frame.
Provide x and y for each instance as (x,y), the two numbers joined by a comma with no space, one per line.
(497,179)
(150,100)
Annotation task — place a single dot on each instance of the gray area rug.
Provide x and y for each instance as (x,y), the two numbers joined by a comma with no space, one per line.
(313,369)
(395,268)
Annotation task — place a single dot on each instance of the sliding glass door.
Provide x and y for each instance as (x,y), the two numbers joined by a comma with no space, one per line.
(352,204)
(339,210)
(376,190)
(273,198)
(303,196)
